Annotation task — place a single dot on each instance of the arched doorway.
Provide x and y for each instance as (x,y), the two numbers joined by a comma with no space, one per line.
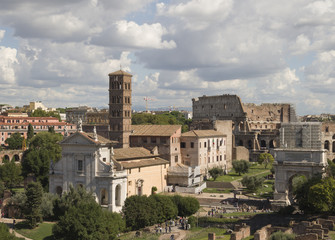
(103,197)
(327,145)
(272,144)
(6,158)
(16,158)
(263,144)
(59,190)
(294,183)
(118,195)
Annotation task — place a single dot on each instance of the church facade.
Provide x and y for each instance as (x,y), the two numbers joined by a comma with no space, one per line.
(87,162)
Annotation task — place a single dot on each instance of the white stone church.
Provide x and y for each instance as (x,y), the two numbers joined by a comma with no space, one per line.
(87,161)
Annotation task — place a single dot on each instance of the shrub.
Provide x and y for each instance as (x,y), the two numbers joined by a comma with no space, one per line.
(241,166)
(282,236)
(252,183)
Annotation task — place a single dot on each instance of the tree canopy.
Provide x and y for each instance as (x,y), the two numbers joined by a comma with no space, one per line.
(215,172)
(43,149)
(10,174)
(14,141)
(34,193)
(172,118)
(41,113)
(252,183)
(266,159)
(241,166)
(83,218)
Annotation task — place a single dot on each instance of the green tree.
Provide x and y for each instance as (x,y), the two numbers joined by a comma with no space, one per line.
(2,189)
(30,133)
(71,198)
(34,193)
(88,221)
(14,141)
(252,183)
(241,166)
(187,206)
(215,172)
(166,208)
(41,113)
(47,205)
(10,174)
(43,149)
(266,159)
(140,211)
(18,201)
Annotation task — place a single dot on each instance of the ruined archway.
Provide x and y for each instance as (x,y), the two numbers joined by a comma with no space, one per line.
(16,158)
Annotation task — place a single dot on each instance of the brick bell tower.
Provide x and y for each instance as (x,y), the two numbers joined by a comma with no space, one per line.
(120,107)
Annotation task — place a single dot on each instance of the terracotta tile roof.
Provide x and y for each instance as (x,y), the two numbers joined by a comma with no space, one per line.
(120,72)
(154,130)
(132,153)
(100,138)
(144,162)
(203,133)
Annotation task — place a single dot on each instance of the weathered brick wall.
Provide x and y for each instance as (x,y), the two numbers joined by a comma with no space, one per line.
(326,223)
(242,233)
(262,234)
(308,236)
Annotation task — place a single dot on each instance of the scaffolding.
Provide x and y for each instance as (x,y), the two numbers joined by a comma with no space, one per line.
(301,135)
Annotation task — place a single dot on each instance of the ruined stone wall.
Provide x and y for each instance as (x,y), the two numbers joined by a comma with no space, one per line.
(240,233)
(222,107)
(268,112)
(328,139)
(226,127)
(240,153)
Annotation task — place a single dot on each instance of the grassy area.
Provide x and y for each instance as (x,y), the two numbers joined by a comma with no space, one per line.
(144,236)
(255,169)
(42,232)
(265,191)
(202,233)
(215,190)
(331,235)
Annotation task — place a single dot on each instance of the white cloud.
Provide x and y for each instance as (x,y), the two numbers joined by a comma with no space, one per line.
(2,34)
(8,61)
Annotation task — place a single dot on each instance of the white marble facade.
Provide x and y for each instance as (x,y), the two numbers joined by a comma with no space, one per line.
(87,161)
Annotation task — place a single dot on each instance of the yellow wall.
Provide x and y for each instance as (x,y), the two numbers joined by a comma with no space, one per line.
(151,176)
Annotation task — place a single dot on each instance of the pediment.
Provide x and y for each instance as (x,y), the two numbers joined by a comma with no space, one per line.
(78,138)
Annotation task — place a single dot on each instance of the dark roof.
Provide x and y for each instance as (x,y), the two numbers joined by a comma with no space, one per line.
(120,72)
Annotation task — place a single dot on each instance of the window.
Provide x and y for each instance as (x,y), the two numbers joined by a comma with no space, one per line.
(220,157)
(192,144)
(183,145)
(80,165)
(129,183)
(199,144)
(144,139)
(129,171)
(139,169)
(204,144)
(163,140)
(104,159)
(153,139)
(176,158)
(217,158)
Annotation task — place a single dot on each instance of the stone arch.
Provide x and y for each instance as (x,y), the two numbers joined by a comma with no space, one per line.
(290,190)
(103,196)
(263,144)
(16,158)
(59,190)
(118,195)
(6,158)
(326,145)
(272,143)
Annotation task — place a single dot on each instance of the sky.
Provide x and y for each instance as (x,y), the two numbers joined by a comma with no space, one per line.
(264,51)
